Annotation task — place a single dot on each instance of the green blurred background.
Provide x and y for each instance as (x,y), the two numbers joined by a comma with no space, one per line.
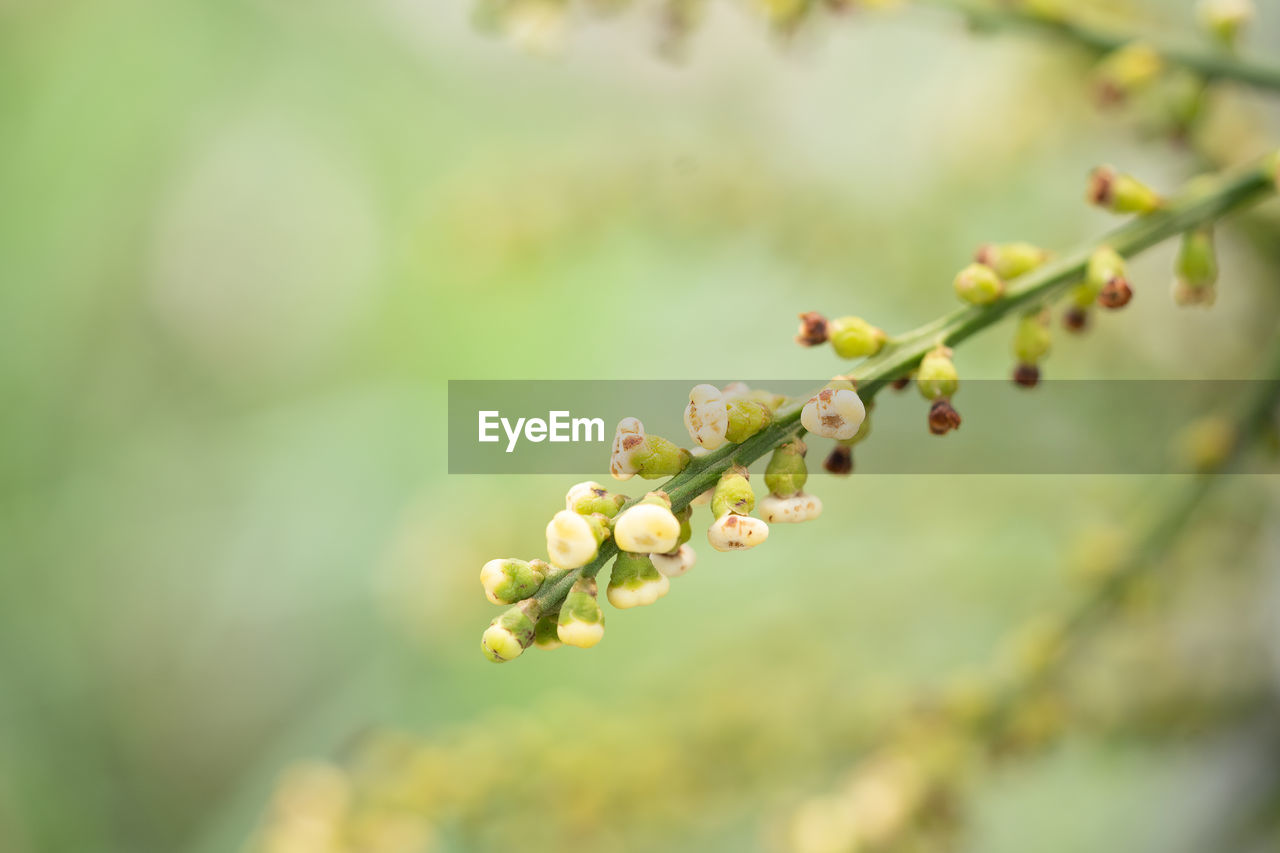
(246,243)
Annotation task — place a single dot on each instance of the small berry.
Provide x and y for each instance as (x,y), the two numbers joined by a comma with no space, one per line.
(733,494)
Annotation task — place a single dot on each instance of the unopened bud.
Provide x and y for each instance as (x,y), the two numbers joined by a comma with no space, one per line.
(733,532)
(509,581)
(733,494)
(1126,70)
(943,417)
(1224,19)
(1197,269)
(787,472)
(1106,275)
(676,563)
(790,510)
(854,337)
(839,461)
(647,528)
(746,418)
(978,284)
(1120,193)
(834,412)
(1076,319)
(1010,260)
(1030,345)
(573,539)
(707,416)
(650,456)
(510,634)
(546,633)
(634,582)
(581,619)
(937,377)
(591,497)
(813,329)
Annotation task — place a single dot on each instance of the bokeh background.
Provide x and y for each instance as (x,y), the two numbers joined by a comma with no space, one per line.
(245,244)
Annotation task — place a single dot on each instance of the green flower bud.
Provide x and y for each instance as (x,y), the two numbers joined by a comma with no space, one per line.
(1197,269)
(591,497)
(978,284)
(658,457)
(937,378)
(1106,275)
(546,631)
(1126,70)
(581,619)
(685,517)
(1119,193)
(733,494)
(510,634)
(854,337)
(1031,340)
(746,418)
(1224,19)
(509,581)
(1010,260)
(573,540)
(634,582)
(787,472)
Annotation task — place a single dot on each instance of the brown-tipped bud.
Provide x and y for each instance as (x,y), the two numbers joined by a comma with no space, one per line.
(1076,319)
(943,417)
(813,329)
(901,383)
(1026,375)
(839,461)
(1116,293)
(1120,193)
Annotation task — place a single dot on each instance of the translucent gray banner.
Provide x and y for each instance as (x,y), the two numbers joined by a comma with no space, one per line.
(1059,427)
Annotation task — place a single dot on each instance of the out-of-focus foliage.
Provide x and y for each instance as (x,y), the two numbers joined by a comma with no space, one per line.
(246,243)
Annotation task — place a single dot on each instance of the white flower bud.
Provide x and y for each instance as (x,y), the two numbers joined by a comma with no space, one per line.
(675,564)
(733,532)
(627,439)
(584,635)
(571,540)
(707,416)
(582,492)
(647,529)
(834,413)
(635,582)
(799,507)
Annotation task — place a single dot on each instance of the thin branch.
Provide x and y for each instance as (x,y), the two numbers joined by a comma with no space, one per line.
(1209,64)
(1200,206)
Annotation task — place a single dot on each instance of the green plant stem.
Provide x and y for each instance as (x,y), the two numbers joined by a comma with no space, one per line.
(1208,63)
(1188,210)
